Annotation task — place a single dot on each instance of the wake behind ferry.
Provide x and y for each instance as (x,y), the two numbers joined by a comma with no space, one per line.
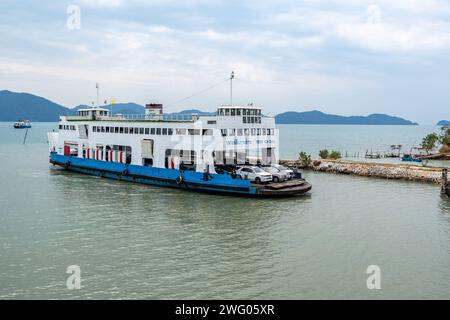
(234,151)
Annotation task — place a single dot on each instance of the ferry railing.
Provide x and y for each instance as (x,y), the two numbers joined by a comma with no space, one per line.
(144,117)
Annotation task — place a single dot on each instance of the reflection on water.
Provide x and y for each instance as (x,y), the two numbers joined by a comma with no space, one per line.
(137,241)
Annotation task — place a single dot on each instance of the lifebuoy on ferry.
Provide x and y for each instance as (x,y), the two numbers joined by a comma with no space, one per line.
(172,163)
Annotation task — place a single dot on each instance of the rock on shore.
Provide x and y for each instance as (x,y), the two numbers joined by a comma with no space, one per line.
(367,169)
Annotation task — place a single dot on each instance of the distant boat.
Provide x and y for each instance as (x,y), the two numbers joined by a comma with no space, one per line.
(411,159)
(22,124)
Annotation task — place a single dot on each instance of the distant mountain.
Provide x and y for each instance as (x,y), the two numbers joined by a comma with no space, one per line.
(123,108)
(15,106)
(191,111)
(443,123)
(317,117)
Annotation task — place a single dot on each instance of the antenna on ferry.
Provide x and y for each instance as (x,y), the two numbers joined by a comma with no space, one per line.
(98,99)
(231,88)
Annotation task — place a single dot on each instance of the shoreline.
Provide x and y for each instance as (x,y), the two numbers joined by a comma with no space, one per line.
(377,170)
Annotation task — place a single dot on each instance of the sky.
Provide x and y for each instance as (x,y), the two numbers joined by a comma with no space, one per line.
(343,57)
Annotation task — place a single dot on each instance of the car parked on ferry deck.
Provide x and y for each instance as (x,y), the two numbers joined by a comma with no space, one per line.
(277,175)
(254,174)
(288,172)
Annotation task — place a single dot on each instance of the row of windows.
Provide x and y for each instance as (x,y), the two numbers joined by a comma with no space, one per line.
(248,132)
(153,131)
(251,119)
(66,127)
(192,132)
(239,112)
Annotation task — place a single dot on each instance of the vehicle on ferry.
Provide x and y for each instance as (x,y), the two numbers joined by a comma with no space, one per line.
(184,151)
(22,124)
(288,172)
(277,174)
(254,174)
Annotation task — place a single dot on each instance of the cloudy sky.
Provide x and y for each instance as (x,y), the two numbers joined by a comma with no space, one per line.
(339,56)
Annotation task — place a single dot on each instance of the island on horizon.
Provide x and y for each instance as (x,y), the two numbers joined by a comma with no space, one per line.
(14,105)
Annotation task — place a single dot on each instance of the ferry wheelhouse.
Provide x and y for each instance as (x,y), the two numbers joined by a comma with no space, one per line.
(179,150)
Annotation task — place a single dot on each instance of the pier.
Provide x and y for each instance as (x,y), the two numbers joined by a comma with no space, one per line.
(378,170)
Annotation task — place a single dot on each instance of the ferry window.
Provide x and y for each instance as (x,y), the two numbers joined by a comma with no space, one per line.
(239,132)
(258,132)
(231,132)
(193,132)
(238,112)
(121,129)
(103,129)
(220,112)
(244,119)
(253,132)
(116,129)
(158,130)
(131,130)
(60,126)
(107,129)
(244,112)
(212,122)
(233,112)
(141,130)
(147,130)
(224,132)
(258,120)
(152,131)
(269,132)
(207,132)
(181,132)
(252,119)
(164,131)
(125,130)
(136,130)
(246,132)
(263,131)
(170,132)
(227,112)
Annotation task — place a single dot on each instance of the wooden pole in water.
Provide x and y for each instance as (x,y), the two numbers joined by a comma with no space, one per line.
(444,186)
(25,137)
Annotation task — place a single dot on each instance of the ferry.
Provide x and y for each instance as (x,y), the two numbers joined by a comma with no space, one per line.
(223,153)
(22,124)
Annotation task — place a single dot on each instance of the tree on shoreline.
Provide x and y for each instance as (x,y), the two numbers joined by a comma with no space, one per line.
(429,142)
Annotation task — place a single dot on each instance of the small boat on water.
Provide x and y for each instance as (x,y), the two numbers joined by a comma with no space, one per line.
(411,159)
(22,124)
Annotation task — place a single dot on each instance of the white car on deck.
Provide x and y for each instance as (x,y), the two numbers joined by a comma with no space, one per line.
(288,172)
(254,174)
(277,175)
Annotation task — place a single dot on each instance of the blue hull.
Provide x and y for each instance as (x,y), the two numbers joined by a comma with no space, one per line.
(411,160)
(155,176)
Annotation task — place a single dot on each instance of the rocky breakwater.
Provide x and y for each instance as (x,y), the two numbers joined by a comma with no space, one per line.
(367,169)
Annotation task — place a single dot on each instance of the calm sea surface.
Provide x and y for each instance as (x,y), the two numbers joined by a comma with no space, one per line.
(135,241)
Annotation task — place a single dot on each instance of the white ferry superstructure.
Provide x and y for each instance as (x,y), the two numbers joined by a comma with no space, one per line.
(184,151)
